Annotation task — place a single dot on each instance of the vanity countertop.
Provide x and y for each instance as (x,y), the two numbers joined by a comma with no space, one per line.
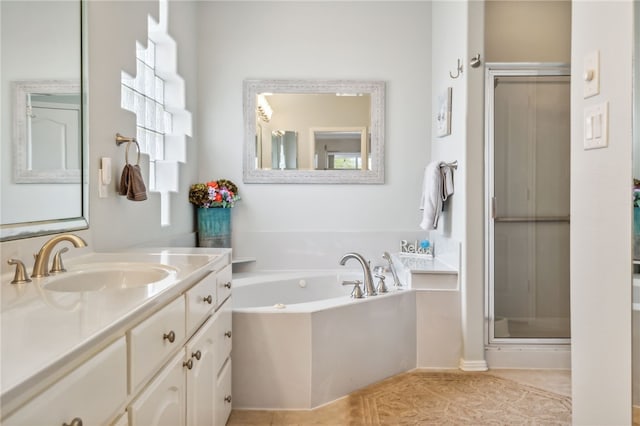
(44,331)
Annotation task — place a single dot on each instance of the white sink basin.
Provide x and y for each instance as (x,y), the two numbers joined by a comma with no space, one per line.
(109,276)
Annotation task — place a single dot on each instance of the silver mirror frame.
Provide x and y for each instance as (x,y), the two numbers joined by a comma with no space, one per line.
(251,88)
(21,172)
(23,230)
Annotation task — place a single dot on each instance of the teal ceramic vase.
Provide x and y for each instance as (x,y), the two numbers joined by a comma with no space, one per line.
(636,220)
(214,227)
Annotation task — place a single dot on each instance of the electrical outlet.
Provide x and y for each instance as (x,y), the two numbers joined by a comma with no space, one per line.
(596,126)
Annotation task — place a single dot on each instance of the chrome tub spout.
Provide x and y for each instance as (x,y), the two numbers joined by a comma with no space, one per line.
(369,289)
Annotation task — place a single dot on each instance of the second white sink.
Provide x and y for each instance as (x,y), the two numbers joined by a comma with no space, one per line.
(109,276)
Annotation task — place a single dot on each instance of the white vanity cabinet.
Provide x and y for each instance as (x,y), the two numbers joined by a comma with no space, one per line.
(192,388)
(90,395)
(210,347)
(168,364)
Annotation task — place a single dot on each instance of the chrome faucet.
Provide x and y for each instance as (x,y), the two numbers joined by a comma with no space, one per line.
(369,289)
(396,282)
(41,265)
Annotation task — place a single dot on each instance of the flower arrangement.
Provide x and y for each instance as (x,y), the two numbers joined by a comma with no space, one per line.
(636,193)
(220,193)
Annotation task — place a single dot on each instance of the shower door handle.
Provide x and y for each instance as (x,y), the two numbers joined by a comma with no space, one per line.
(493,207)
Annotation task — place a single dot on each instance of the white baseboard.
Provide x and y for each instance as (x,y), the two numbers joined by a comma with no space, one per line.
(529,357)
(477,365)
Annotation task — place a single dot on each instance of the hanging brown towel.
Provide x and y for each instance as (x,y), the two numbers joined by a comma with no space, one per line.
(132,184)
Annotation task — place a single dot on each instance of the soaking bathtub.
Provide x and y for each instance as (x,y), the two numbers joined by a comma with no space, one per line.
(300,341)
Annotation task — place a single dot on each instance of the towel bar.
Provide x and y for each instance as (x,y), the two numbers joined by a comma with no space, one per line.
(122,139)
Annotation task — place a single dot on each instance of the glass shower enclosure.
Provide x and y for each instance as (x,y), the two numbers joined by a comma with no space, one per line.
(527,198)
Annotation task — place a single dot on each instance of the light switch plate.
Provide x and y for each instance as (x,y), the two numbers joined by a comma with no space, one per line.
(596,126)
(591,74)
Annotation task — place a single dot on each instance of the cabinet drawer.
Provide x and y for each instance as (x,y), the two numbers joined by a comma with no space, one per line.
(76,396)
(222,335)
(164,401)
(222,402)
(224,284)
(201,300)
(153,340)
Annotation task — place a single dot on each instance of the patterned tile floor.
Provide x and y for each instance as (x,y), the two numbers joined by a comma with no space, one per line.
(425,397)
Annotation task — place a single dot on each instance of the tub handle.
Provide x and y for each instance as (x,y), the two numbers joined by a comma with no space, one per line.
(357,291)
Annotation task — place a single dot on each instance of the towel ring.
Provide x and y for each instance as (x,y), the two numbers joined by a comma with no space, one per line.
(122,139)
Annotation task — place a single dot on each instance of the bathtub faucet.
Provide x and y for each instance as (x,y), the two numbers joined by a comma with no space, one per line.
(369,289)
(396,282)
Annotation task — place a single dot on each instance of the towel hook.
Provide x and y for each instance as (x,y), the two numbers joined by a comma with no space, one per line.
(459,70)
(122,139)
(453,164)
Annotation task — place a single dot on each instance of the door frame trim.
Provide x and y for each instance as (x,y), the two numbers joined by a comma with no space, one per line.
(492,70)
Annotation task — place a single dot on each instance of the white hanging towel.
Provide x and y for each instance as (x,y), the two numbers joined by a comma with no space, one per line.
(431,202)
(447,180)
(436,188)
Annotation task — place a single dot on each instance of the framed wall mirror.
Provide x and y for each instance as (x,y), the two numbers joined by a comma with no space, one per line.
(43,141)
(47,131)
(314,131)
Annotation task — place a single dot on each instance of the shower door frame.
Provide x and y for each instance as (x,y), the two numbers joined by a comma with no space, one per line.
(492,70)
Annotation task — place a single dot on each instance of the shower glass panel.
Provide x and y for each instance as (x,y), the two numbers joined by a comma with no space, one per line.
(529,147)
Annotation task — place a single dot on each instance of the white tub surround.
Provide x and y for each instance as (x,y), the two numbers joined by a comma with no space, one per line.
(438,311)
(300,341)
(424,273)
(47,335)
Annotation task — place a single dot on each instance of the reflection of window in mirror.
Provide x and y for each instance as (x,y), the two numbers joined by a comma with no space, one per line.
(345,148)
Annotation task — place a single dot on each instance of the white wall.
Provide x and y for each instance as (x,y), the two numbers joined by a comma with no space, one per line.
(311,225)
(458,34)
(601,220)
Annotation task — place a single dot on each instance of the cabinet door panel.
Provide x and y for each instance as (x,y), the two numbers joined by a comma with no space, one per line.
(222,402)
(163,402)
(201,379)
(222,335)
(76,395)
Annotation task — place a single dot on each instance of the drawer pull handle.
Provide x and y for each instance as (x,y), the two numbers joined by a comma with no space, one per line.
(208,299)
(227,284)
(197,355)
(75,422)
(228,334)
(171,337)
(188,364)
(227,399)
